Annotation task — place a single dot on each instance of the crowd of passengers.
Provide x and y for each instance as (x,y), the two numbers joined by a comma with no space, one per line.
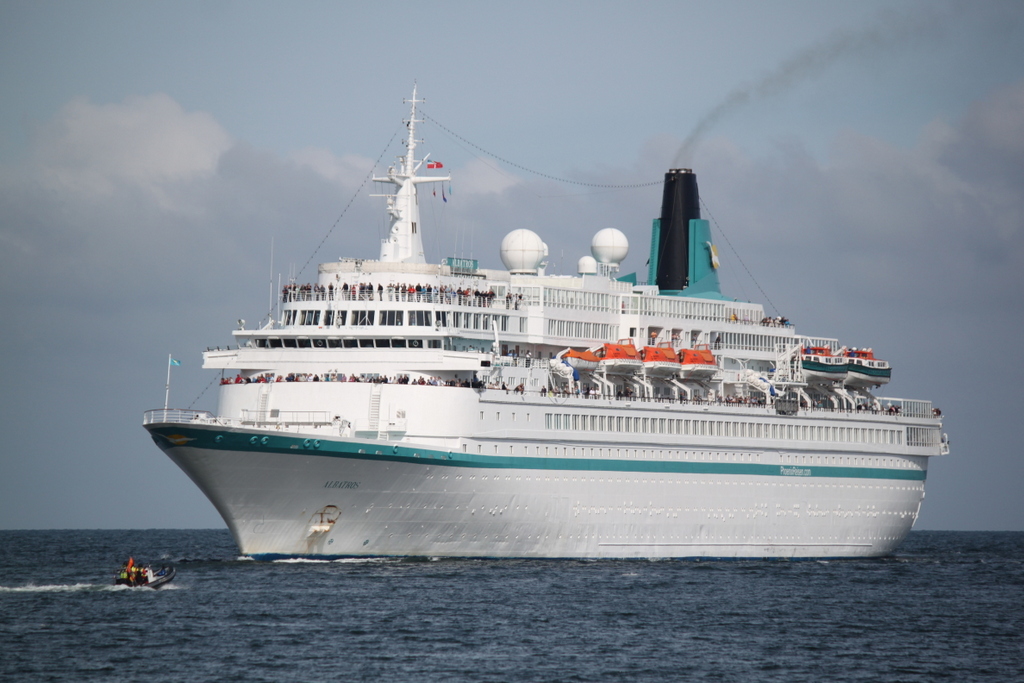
(780,321)
(270,378)
(398,292)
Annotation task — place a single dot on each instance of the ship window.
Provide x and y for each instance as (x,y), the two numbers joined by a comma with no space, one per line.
(289,343)
(339,317)
(415,343)
(365,343)
(320,343)
(274,343)
(398,343)
(350,343)
(382,343)
(304,343)
(362,317)
(391,317)
(441,317)
(310,318)
(434,343)
(333,343)
(421,318)
(261,343)
(328,317)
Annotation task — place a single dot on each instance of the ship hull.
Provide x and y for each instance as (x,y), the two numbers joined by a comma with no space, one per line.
(289,496)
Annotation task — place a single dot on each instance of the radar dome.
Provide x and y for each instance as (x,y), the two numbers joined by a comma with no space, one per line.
(609,246)
(587,266)
(522,251)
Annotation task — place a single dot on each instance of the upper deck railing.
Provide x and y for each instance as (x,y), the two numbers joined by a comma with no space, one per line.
(444,296)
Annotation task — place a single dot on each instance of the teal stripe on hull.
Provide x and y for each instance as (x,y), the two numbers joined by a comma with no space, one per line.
(870,372)
(167,437)
(822,367)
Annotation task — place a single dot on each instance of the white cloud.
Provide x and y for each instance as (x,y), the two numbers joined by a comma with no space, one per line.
(349,170)
(146,142)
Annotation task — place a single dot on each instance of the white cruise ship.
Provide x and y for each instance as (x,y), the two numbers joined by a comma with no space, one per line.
(401,408)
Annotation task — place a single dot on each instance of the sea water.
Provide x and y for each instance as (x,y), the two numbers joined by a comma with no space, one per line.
(946,606)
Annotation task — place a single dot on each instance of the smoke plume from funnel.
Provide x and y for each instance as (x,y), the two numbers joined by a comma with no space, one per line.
(803,65)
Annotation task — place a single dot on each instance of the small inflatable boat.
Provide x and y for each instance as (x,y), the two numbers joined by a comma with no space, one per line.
(137,576)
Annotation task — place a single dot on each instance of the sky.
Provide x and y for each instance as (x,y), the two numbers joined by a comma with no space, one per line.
(162,165)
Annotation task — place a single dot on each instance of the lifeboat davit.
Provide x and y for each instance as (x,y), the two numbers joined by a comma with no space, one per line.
(661,361)
(821,367)
(698,363)
(864,370)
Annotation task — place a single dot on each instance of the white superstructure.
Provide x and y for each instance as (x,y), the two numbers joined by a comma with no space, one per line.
(405,408)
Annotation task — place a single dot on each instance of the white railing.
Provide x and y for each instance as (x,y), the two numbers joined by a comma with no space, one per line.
(286,417)
(909,407)
(177,416)
(518,362)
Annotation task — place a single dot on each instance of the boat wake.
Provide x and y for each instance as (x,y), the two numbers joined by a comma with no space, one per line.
(300,560)
(340,560)
(74,588)
(77,588)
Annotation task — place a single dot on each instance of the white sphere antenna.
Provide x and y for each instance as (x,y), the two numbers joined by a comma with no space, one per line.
(523,251)
(609,246)
(587,266)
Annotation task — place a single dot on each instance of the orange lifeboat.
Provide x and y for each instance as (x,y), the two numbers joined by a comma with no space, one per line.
(661,361)
(620,358)
(697,363)
(581,360)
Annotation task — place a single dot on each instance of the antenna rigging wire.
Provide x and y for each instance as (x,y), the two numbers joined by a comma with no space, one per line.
(530,170)
(752,278)
(347,206)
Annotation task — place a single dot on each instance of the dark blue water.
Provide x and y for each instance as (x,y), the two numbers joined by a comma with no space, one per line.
(948,606)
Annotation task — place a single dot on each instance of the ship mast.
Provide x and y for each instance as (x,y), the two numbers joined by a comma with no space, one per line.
(404,242)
